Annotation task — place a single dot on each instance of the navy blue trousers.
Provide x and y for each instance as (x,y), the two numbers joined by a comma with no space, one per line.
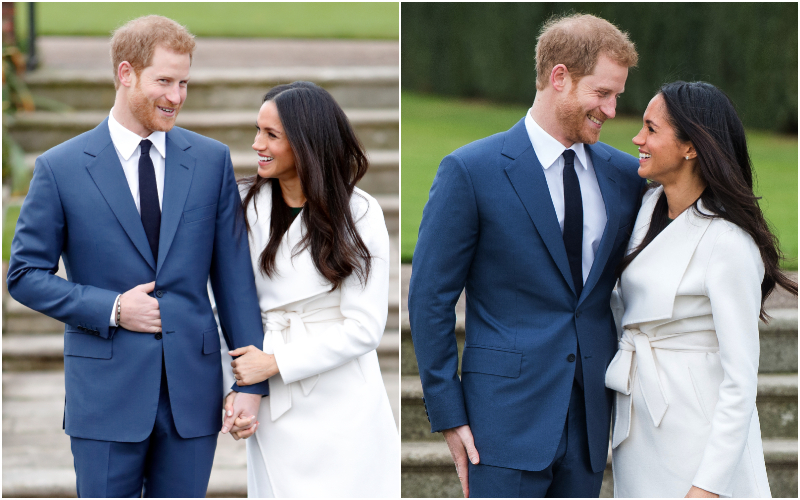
(568,476)
(164,465)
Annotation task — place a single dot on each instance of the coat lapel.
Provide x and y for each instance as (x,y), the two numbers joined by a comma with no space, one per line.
(650,283)
(179,169)
(605,173)
(106,171)
(527,177)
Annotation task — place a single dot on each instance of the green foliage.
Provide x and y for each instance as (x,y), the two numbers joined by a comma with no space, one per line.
(16,97)
(375,20)
(9,225)
(435,126)
(487,50)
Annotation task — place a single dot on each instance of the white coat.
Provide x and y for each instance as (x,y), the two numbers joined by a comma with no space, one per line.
(687,370)
(326,429)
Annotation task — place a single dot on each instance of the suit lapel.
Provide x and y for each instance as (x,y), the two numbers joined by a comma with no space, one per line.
(527,177)
(106,172)
(605,173)
(179,170)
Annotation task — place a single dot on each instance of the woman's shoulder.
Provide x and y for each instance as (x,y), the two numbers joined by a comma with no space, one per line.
(365,207)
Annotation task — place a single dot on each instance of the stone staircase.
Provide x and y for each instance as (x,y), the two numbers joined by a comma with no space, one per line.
(428,471)
(224,97)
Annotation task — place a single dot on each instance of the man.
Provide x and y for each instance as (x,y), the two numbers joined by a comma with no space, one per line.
(532,223)
(141,213)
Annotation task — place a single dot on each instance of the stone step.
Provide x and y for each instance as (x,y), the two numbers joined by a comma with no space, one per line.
(776,402)
(18,318)
(383,176)
(26,352)
(228,88)
(37,461)
(778,341)
(427,470)
(41,130)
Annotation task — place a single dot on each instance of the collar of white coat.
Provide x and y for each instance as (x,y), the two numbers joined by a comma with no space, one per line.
(296,277)
(650,282)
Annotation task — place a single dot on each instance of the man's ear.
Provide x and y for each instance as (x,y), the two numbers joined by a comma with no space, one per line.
(560,78)
(125,74)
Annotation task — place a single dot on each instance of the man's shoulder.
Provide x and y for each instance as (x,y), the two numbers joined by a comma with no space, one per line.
(66,152)
(626,163)
(480,152)
(186,137)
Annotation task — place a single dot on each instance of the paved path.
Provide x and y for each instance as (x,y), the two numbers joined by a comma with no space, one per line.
(93,52)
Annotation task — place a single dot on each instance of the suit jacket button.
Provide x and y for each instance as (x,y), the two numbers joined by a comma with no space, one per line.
(571,358)
(158,337)
(159,293)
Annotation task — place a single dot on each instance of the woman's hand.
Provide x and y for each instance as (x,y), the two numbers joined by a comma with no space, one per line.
(252,365)
(695,492)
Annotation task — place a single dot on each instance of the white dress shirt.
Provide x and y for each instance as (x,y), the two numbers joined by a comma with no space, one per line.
(126,144)
(549,152)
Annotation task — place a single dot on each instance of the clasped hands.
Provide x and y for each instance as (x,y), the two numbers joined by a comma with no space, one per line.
(251,366)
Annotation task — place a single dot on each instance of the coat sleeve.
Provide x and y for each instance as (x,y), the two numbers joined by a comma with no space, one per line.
(232,278)
(37,245)
(733,285)
(364,307)
(448,236)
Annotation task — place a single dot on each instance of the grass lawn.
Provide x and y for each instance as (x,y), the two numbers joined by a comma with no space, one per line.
(375,20)
(432,127)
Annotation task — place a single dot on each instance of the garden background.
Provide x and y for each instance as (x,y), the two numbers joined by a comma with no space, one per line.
(468,72)
(243,49)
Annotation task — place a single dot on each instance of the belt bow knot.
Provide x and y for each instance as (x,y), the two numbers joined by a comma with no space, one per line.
(284,327)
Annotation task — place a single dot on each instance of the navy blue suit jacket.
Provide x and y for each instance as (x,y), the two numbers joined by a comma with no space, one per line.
(80,207)
(489,227)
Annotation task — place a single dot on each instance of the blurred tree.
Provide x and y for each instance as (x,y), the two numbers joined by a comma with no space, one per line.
(487,50)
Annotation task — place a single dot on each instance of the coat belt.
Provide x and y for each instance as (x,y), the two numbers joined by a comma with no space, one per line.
(625,367)
(283,327)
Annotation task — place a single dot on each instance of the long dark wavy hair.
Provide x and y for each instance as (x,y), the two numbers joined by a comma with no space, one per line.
(330,161)
(701,113)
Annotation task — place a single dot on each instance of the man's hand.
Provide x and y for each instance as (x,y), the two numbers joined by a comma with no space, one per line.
(140,312)
(241,411)
(695,492)
(462,447)
(252,365)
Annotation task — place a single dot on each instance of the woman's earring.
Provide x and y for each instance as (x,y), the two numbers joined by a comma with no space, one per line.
(687,157)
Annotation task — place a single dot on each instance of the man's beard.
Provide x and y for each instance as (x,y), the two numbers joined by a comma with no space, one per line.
(145,111)
(573,119)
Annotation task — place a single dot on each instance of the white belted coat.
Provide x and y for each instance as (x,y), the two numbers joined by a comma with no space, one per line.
(687,370)
(326,429)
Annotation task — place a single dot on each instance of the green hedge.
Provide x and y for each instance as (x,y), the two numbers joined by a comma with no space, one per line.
(487,51)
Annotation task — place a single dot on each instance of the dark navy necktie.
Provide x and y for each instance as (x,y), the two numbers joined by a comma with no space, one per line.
(148,198)
(573,235)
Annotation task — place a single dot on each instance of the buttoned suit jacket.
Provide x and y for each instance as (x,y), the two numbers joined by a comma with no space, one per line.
(79,207)
(490,228)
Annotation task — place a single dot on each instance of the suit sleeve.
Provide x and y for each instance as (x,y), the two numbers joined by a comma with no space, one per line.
(364,307)
(37,245)
(448,235)
(232,275)
(733,285)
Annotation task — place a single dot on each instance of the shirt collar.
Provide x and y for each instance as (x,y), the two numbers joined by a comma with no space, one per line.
(547,148)
(126,141)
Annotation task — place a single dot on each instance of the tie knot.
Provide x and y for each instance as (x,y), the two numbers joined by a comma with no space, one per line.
(145,145)
(569,157)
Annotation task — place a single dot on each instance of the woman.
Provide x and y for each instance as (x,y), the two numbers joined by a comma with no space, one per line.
(700,264)
(320,253)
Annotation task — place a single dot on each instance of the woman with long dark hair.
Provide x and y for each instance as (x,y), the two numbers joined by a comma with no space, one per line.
(320,252)
(701,262)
